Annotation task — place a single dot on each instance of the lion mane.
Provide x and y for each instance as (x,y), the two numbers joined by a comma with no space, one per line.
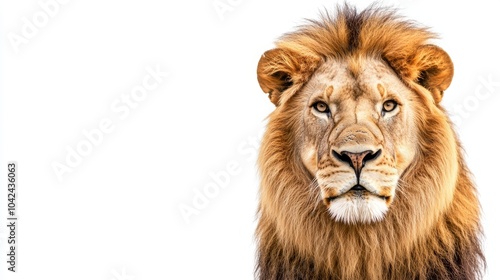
(432,228)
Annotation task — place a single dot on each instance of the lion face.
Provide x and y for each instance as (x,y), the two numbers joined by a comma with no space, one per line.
(358,137)
(353,111)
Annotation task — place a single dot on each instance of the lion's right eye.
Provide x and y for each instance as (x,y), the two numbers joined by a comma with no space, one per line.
(321,107)
(389,106)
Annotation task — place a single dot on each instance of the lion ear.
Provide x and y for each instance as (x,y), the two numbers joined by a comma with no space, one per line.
(433,69)
(279,69)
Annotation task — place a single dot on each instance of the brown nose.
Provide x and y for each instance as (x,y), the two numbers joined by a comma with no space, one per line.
(356,160)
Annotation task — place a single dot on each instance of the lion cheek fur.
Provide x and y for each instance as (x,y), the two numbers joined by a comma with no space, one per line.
(309,155)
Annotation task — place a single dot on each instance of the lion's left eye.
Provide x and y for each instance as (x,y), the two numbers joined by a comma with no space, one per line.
(389,106)
(321,107)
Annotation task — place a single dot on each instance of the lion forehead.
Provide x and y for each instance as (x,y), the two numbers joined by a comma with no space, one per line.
(339,80)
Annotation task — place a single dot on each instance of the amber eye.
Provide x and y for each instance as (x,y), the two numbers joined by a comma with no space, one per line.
(321,107)
(389,106)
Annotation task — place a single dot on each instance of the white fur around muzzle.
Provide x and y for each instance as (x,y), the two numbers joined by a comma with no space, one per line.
(356,209)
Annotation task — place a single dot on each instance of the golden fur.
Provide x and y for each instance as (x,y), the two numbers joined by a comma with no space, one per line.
(353,62)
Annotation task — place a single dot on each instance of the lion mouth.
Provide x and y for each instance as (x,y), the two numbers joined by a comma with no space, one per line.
(358,191)
(358,187)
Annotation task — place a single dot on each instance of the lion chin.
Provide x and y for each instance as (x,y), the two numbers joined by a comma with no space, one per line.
(358,206)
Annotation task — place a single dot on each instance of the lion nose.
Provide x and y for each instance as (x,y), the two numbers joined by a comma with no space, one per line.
(356,160)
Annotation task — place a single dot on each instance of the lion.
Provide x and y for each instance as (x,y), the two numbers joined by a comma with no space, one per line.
(362,174)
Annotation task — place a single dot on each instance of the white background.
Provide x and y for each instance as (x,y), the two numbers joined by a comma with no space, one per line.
(116,214)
